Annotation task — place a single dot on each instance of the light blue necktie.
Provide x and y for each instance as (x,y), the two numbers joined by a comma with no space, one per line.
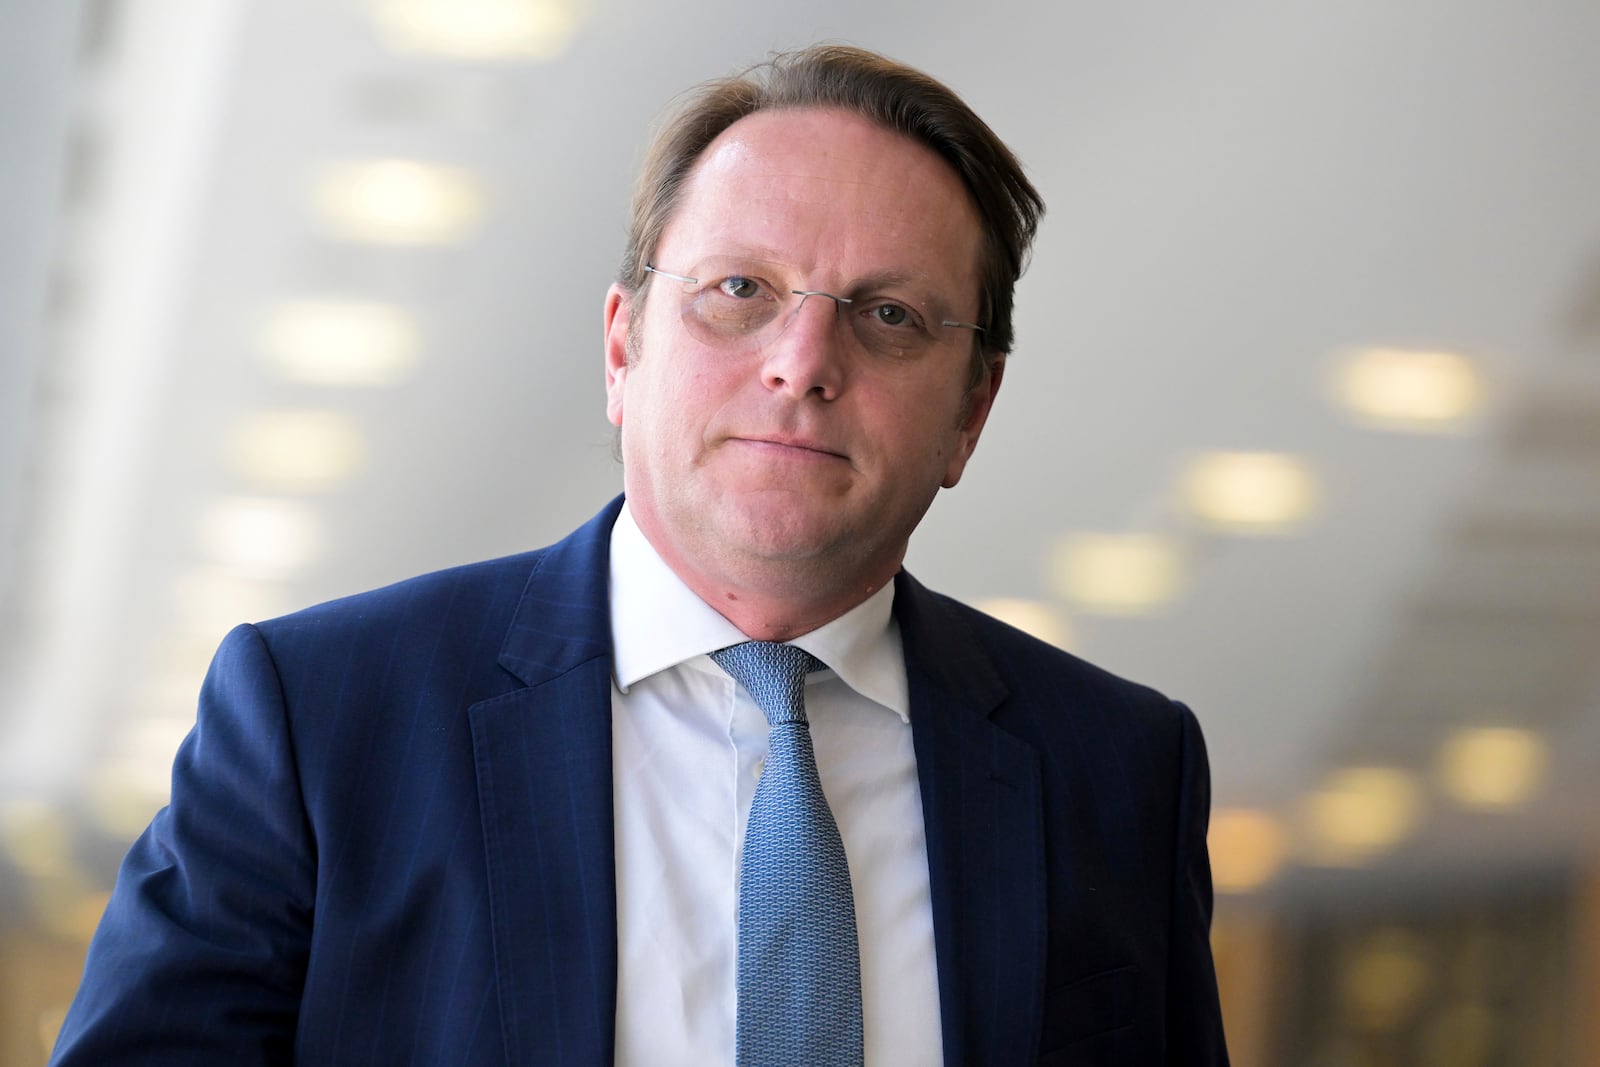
(799,967)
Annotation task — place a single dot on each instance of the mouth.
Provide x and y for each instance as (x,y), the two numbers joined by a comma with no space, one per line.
(792,447)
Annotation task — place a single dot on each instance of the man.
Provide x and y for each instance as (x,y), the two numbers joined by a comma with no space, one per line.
(518,812)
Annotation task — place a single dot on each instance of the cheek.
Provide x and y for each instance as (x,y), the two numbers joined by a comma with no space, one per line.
(717,386)
(687,400)
(912,436)
(932,414)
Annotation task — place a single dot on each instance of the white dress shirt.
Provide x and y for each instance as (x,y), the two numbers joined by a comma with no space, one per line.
(688,745)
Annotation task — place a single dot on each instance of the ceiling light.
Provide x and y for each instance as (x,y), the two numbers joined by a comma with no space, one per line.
(477,29)
(1117,574)
(334,343)
(1492,767)
(398,201)
(1359,812)
(299,450)
(266,538)
(1409,389)
(1247,848)
(1029,616)
(1384,979)
(1249,492)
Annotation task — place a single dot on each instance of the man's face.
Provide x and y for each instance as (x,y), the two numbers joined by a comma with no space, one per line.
(796,460)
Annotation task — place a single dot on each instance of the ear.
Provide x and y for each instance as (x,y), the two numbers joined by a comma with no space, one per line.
(978,405)
(618,311)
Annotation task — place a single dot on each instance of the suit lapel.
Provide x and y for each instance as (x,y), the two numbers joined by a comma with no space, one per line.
(984,824)
(543,759)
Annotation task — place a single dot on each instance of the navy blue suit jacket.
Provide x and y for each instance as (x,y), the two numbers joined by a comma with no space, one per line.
(390,842)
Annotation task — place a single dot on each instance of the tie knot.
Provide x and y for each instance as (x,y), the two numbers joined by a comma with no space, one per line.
(773,674)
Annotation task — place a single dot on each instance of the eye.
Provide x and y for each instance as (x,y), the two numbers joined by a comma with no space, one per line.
(892,314)
(740,287)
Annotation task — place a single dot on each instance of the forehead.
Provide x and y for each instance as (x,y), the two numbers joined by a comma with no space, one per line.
(828,192)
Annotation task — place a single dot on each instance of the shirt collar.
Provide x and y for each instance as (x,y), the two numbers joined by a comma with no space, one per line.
(862,646)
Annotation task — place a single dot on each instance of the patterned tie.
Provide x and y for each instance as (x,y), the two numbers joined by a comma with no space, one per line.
(799,968)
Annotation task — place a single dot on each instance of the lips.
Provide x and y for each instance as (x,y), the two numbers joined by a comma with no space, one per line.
(777,442)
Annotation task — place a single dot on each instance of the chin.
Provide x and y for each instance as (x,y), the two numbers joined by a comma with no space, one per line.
(778,533)
(784,543)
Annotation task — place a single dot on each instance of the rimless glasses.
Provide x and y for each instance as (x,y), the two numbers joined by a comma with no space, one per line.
(737,303)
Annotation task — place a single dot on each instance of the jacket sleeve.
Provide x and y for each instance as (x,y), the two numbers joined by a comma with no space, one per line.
(1194,1012)
(200,957)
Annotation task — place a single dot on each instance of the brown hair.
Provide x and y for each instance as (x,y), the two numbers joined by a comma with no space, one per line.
(894,96)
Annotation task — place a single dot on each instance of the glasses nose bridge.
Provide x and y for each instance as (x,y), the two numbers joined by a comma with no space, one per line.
(793,313)
(838,301)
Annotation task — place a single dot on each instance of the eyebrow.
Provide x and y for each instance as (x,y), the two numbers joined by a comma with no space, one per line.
(920,285)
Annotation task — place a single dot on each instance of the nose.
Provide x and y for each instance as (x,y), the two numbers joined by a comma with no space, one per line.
(807,356)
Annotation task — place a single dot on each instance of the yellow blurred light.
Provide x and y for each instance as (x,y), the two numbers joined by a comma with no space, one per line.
(1492,767)
(68,907)
(477,29)
(297,450)
(1359,812)
(1117,574)
(1410,389)
(1247,848)
(38,837)
(1466,1033)
(341,343)
(1250,492)
(50,1022)
(398,201)
(261,537)
(1383,982)
(1031,617)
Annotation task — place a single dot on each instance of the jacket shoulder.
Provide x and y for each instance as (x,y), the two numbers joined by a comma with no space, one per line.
(472,598)
(470,586)
(1028,668)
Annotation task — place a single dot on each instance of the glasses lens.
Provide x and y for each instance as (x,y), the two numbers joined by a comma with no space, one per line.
(730,308)
(730,304)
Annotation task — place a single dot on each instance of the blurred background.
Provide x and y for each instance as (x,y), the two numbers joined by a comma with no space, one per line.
(298,297)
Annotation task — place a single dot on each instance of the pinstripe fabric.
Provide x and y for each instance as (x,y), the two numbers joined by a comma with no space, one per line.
(799,967)
(389,842)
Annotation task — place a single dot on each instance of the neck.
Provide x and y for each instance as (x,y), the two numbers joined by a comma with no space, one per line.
(762,616)
(774,600)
